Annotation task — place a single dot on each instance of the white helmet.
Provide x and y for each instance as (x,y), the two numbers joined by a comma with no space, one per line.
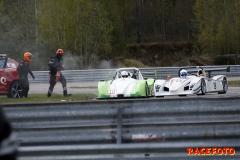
(124,74)
(200,72)
(183,73)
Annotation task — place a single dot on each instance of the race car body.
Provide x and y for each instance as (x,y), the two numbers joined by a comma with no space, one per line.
(131,85)
(10,84)
(192,83)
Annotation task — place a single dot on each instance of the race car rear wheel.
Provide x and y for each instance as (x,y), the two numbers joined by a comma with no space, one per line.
(203,87)
(225,86)
(147,90)
(15,90)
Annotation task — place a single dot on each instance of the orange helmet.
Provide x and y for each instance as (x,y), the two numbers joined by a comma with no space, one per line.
(28,57)
(60,51)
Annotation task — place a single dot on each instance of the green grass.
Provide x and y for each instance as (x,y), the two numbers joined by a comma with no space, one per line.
(44,98)
(235,83)
(83,87)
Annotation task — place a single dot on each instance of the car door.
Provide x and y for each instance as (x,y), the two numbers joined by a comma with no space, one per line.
(3,79)
(10,72)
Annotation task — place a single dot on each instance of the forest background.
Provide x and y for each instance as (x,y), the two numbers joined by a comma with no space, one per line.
(116,33)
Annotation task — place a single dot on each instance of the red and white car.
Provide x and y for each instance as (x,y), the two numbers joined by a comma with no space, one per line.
(10,84)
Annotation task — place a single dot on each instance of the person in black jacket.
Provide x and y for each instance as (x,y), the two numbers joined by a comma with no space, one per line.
(55,66)
(23,70)
(8,144)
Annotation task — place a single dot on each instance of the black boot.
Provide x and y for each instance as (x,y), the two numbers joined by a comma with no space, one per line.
(24,92)
(49,94)
(65,93)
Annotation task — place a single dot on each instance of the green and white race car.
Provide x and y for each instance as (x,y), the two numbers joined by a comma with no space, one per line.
(127,82)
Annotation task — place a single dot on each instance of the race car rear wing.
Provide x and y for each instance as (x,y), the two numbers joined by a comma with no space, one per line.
(227,69)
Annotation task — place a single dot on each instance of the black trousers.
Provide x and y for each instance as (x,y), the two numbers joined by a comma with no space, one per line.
(53,83)
(10,156)
(25,85)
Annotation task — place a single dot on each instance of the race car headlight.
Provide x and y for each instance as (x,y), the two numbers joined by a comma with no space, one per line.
(157,87)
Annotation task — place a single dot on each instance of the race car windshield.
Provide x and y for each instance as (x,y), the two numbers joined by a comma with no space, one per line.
(132,73)
(2,62)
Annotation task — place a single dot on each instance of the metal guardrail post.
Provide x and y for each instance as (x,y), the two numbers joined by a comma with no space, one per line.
(119,126)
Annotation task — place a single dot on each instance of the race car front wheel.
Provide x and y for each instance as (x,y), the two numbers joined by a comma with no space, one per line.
(203,87)
(15,90)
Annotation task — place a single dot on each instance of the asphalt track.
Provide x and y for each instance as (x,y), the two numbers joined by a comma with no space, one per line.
(91,87)
(72,88)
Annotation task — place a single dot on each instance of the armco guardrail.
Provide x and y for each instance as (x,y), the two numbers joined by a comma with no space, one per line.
(125,121)
(153,151)
(130,128)
(98,74)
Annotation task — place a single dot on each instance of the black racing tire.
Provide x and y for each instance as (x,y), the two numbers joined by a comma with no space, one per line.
(15,90)
(203,87)
(225,86)
(182,95)
(147,90)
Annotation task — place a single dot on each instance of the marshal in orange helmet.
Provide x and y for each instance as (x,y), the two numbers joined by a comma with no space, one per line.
(60,51)
(28,57)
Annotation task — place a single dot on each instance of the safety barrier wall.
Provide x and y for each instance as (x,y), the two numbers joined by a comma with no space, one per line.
(140,151)
(98,74)
(118,123)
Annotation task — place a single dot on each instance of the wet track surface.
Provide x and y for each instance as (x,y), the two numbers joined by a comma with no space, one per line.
(91,87)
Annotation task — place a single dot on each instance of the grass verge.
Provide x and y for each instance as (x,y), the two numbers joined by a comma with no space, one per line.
(91,87)
(235,83)
(44,98)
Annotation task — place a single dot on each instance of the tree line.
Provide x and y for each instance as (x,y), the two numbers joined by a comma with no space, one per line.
(93,30)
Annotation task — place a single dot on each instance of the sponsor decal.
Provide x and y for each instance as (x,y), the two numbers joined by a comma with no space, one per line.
(177,81)
(11,65)
(111,91)
(3,80)
(210,151)
(214,85)
(147,137)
